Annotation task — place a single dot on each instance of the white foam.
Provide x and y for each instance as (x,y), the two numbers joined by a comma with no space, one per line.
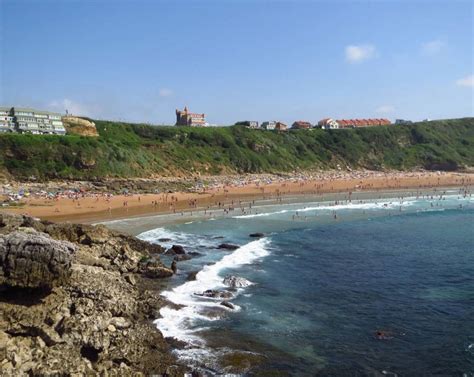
(260,214)
(362,206)
(334,207)
(178,323)
(155,235)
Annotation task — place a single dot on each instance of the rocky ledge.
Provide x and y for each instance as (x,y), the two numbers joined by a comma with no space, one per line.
(73,301)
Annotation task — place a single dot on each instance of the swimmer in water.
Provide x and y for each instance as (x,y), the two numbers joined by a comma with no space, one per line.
(383,335)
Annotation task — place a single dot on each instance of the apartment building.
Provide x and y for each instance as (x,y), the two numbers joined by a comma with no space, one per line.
(6,120)
(37,122)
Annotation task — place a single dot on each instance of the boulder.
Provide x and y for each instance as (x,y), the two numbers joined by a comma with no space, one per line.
(154,269)
(34,260)
(176,249)
(228,246)
(227,304)
(236,281)
(256,235)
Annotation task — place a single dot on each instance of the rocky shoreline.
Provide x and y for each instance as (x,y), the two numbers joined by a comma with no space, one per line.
(77,300)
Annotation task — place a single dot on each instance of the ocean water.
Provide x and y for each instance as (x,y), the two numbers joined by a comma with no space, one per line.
(382,287)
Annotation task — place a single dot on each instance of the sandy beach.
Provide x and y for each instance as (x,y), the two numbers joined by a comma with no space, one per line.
(215,194)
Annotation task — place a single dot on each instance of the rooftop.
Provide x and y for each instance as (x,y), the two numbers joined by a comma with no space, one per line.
(30,110)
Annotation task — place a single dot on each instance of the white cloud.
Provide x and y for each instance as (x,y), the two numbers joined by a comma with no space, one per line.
(467,81)
(385,109)
(164,92)
(359,53)
(432,47)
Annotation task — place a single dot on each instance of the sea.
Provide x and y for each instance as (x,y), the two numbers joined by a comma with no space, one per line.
(351,285)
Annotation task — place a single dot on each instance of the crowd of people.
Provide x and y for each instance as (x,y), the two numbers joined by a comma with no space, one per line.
(215,194)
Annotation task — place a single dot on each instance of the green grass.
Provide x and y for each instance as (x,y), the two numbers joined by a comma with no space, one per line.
(136,150)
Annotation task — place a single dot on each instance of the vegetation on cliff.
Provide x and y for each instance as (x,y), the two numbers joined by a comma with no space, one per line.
(136,150)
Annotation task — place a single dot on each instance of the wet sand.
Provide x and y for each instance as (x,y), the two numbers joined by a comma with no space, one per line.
(100,207)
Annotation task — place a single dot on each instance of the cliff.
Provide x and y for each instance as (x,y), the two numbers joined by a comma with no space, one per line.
(73,302)
(125,150)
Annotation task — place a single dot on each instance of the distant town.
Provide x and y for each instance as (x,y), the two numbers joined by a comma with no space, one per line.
(186,118)
(31,121)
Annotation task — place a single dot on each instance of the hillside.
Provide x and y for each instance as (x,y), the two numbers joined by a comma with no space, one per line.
(134,150)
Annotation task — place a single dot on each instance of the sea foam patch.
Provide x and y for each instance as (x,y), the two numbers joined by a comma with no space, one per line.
(391,204)
(181,323)
(155,235)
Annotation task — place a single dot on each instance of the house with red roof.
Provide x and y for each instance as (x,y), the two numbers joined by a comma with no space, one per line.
(301,125)
(356,123)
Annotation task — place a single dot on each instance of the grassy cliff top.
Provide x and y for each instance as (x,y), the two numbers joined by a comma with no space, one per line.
(136,150)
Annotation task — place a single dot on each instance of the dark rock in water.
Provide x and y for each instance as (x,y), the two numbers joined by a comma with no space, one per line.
(192,275)
(175,343)
(182,257)
(256,235)
(218,237)
(34,260)
(164,239)
(241,362)
(212,293)
(227,304)
(236,281)
(194,254)
(228,246)
(176,249)
(174,267)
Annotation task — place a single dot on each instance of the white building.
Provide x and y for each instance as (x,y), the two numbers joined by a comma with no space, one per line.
(403,121)
(248,123)
(7,123)
(37,122)
(328,123)
(270,125)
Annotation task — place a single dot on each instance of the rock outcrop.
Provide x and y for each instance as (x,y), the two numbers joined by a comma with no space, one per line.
(79,126)
(176,250)
(153,268)
(236,281)
(34,260)
(228,246)
(94,318)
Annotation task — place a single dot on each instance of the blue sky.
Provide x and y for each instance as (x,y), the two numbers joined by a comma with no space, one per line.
(234,60)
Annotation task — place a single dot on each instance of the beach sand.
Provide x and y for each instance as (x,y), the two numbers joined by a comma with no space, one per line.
(94,207)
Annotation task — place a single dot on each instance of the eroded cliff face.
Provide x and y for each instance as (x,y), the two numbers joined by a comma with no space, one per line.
(78,126)
(72,301)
